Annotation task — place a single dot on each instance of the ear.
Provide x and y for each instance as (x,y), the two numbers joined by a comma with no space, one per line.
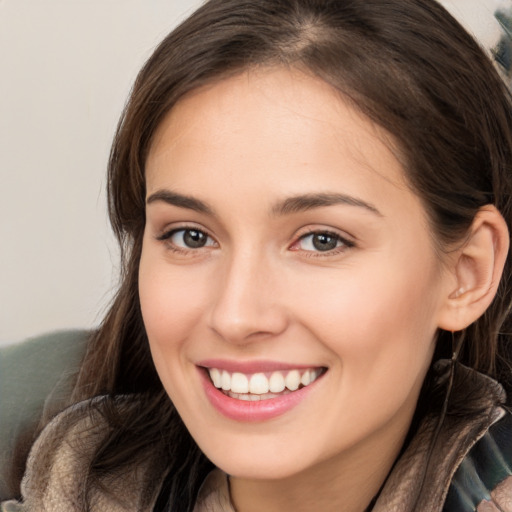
(476,270)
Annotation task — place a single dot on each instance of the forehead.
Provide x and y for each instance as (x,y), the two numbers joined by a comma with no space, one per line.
(271,126)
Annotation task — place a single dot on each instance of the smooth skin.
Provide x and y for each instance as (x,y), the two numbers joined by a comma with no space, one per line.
(238,263)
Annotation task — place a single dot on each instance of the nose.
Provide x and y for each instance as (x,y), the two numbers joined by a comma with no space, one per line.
(247,303)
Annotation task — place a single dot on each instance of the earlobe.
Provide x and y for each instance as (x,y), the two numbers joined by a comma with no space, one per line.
(477,270)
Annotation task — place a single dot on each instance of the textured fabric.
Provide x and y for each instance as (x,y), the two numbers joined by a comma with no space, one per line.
(55,480)
(483,481)
(57,468)
(421,477)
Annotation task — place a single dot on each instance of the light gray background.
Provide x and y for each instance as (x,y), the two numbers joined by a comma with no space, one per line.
(66,67)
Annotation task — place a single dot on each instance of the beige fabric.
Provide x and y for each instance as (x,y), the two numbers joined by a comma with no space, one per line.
(458,435)
(57,468)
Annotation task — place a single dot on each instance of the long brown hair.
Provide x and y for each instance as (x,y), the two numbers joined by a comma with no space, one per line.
(408,66)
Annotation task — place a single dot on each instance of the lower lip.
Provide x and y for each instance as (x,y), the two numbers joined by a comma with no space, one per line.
(247,411)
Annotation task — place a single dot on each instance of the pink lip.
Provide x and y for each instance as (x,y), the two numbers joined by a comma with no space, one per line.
(250,367)
(245,411)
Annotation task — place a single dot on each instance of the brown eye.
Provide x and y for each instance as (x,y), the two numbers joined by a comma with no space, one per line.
(188,238)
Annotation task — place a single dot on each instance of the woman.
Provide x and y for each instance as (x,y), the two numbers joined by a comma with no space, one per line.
(314,202)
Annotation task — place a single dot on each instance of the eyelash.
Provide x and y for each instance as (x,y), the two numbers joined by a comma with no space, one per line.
(344,243)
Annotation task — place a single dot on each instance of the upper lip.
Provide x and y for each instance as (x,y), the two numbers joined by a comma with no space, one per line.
(257,366)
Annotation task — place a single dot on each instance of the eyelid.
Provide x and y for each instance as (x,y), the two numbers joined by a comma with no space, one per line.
(166,232)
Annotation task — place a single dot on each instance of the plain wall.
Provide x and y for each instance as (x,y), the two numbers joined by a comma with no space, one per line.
(66,67)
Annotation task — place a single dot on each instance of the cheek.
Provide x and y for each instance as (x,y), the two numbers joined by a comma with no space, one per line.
(171,300)
(380,334)
(376,320)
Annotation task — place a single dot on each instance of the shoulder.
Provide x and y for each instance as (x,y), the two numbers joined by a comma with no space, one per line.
(59,460)
(58,467)
(483,481)
(430,466)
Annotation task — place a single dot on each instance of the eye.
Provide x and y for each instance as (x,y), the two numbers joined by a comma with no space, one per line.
(187,239)
(321,241)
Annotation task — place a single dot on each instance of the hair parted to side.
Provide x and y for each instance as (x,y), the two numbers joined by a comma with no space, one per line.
(408,66)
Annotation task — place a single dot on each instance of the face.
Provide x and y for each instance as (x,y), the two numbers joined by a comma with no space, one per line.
(284,249)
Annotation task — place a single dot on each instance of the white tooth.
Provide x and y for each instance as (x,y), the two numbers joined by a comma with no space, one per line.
(226,381)
(276,382)
(239,383)
(315,374)
(306,378)
(216,377)
(258,384)
(292,380)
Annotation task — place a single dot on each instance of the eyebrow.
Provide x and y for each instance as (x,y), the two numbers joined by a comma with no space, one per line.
(290,205)
(302,203)
(180,200)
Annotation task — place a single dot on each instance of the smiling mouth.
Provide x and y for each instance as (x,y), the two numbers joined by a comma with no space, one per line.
(262,386)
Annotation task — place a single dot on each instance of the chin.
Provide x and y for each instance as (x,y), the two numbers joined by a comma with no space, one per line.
(264,460)
(260,470)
